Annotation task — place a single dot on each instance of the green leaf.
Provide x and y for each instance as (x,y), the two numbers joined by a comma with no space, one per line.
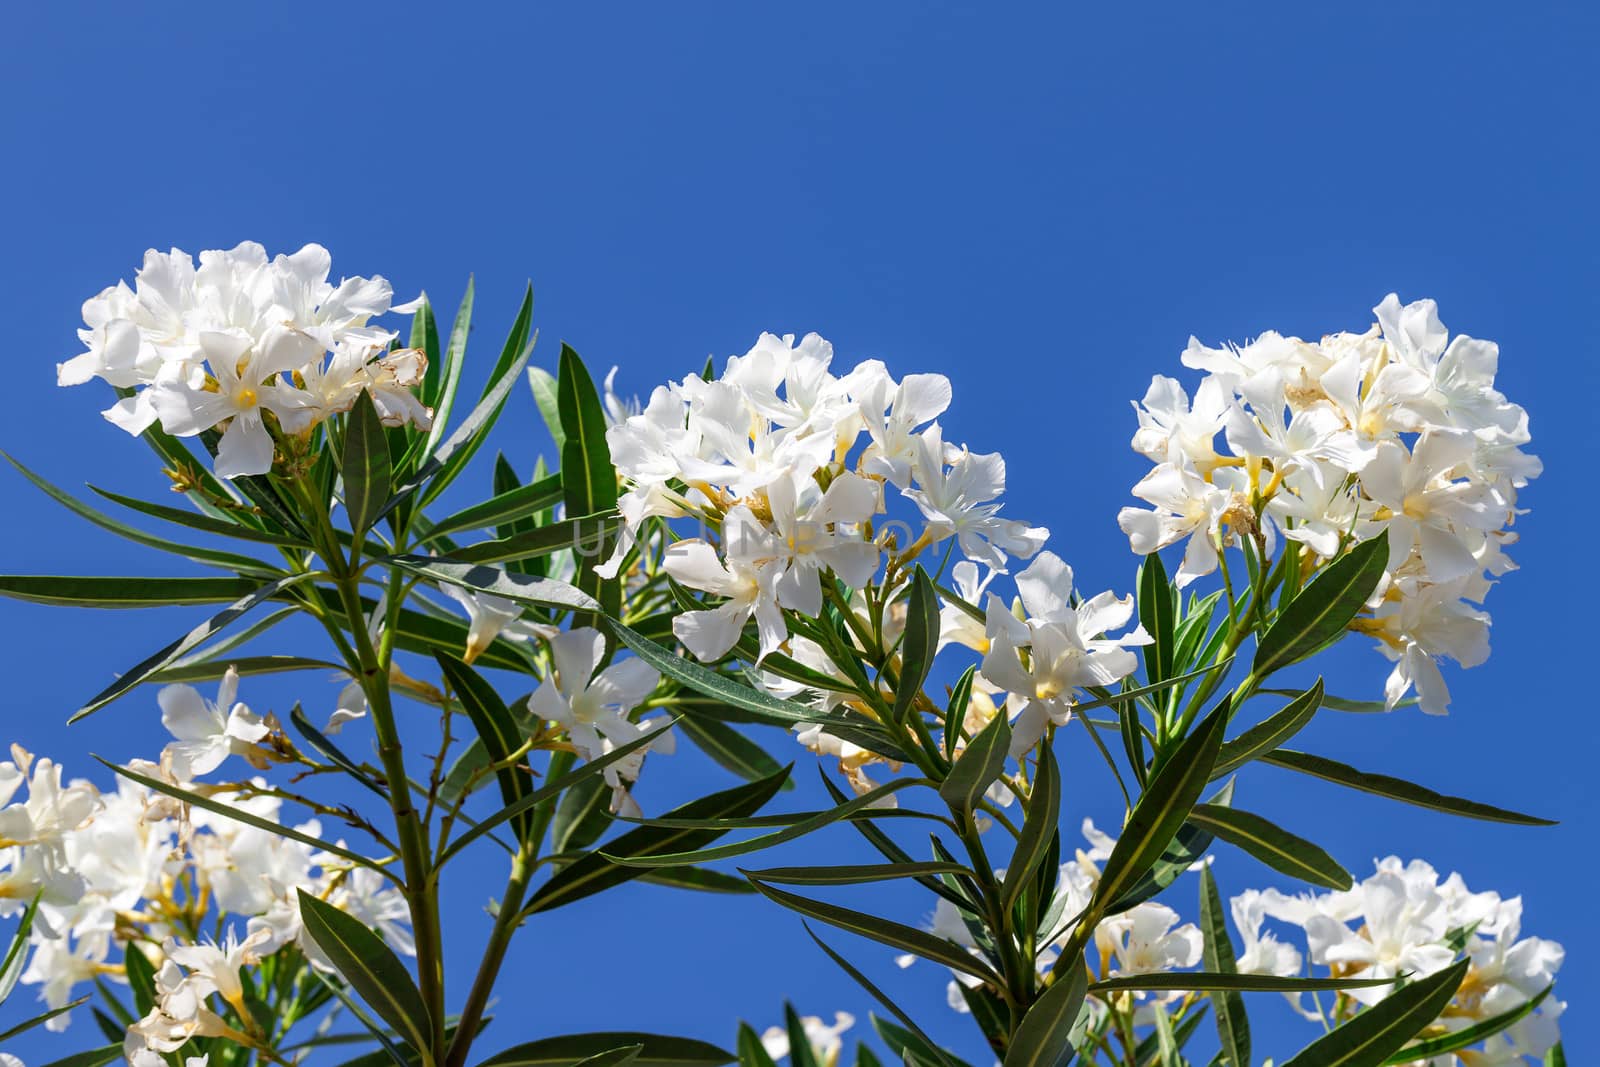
(700,879)
(209,669)
(92,1058)
(1040,821)
(854,874)
(885,931)
(1457,1040)
(238,813)
(919,643)
(595,871)
(582,816)
(1396,788)
(764,708)
(425,335)
(440,468)
(1045,1038)
(617,1057)
(545,395)
(977,768)
(1271,732)
(399,1055)
(206,523)
(512,504)
(800,1054)
(1322,611)
(331,752)
(16,957)
(1206,981)
(586,534)
(450,373)
(956,710)
(910,1048)
(588,480)
(752,1053)
(730,749)
(371,968)
(41,1019)
(1272,845)
(205,631)
(497,730)
(1158,615)
(210,556)
(365,465)
(1381,1030)
(801,825)
(72,591)
(571,1049)
(1233,1026)
(1186,849)
(1161,810)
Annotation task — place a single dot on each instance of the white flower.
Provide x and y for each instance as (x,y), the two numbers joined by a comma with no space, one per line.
(1143,940)
(957,501)
(207,733)
(1186,505)
(594,708)
(1066,644)
(892,421)
(245,378)
(816,530)
(490,617)
(747,577)
(1170,431)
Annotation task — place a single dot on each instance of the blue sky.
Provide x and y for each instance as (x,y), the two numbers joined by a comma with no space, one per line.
(1043,204)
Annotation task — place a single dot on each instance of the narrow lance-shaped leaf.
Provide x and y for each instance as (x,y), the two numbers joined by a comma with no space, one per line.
(1233,1027)
(522,588)
(497,730)
(977,767)
(523,500)
(1205,981)
(365,466)
(1324,608)
(543,384)
(595,872)
(1158,616)
(919,643)
(72,591)
(588,480)
(1039,828)
(1160,811)
(1271,732)
(205,631)
(1045,1038)
(449,375)
(1396,788)
(1468,1036)
(370,966)
(855,874)
(885,931)
(703,680)
(752,1053)
(1381,1030)
(1272,845)
(802,825)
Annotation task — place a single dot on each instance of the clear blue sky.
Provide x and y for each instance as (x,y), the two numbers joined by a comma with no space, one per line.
(1042,205)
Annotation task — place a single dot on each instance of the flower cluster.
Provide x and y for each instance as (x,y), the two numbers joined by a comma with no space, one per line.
(138,871)
(1406,920)
(220,344)
(1397,429)
(791,464)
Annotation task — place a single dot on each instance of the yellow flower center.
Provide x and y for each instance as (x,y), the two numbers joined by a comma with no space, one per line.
(246,397)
